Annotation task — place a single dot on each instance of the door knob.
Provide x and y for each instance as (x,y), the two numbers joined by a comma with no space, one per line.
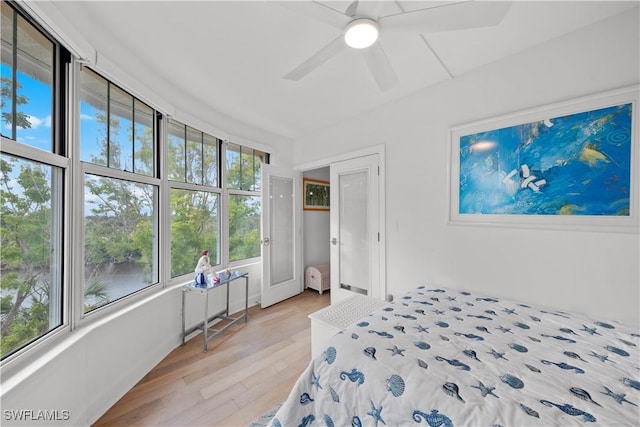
(266,241)
(334,241)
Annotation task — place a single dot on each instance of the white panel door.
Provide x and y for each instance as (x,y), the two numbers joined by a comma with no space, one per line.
(280,238)
(355,228)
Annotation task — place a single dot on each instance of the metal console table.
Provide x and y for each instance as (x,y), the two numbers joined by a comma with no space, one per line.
(207,331)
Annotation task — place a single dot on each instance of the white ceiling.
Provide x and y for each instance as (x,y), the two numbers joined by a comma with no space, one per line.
(228,58)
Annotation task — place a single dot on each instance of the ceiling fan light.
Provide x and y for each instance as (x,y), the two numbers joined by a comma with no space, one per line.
(361,33)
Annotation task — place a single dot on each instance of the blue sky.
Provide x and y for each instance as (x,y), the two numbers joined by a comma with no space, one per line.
(38,110)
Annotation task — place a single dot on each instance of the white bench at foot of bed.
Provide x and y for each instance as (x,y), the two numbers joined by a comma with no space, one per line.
(332,319)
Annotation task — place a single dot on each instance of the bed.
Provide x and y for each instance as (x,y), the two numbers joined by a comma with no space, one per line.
(444,357)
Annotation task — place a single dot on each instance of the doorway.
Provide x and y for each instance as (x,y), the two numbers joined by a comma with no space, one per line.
(324,240)
(315,226)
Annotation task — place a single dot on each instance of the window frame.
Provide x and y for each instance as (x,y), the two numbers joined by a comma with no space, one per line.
(214,262)
(232,191)
(104,172)
(59,237)
(56,158)
(82,168)
(190,186)
(68,230)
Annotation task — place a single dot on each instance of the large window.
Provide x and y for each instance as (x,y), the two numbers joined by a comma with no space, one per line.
(118,148)
(195,226)
(31,185)
(193,155)
(243,180)
(82,197)
(120,244)
(195,197)
(116,129)
(30,250)
(244,226)
(244,168)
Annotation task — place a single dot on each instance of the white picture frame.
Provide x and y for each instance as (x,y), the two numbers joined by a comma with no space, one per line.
(494,162)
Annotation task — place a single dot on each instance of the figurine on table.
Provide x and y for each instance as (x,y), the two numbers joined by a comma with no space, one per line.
(203,269)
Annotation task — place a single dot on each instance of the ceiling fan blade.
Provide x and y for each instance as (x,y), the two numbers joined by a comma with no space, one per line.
(317,12)
(457,16)
(352,9)
(323,55)
(380,66)
(369,9)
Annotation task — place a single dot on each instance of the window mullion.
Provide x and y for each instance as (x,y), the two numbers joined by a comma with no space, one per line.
(133,134)
(57,230)
(75,236)
(224,206)
(108,120)
(224,238)
(186,143)
(14,78)
(202,168)
(164,216)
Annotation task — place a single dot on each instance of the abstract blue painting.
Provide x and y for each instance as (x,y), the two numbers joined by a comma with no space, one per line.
(578,164)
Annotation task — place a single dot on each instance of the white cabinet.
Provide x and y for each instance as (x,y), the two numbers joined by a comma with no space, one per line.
(318,277)
(330,320)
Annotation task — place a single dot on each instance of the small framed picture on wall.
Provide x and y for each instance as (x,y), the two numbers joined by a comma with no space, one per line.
(316,195)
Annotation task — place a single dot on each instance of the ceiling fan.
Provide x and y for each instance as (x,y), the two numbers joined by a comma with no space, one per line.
(362,27)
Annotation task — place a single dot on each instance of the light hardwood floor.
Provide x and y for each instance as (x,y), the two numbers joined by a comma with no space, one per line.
(247,370)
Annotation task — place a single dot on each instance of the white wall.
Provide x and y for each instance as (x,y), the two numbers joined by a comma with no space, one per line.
(88,371)
(316,227)
(589,272)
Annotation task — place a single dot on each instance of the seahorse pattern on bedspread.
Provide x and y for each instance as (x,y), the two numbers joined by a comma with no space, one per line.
(444,357)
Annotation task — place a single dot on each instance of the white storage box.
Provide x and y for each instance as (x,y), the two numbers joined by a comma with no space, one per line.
(318,277)
(330,320)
